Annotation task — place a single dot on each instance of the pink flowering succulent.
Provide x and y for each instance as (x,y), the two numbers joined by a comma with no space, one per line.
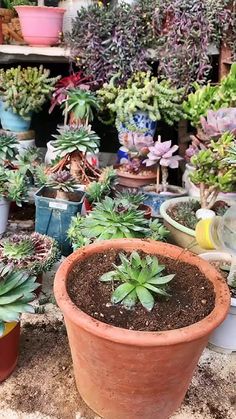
(161,154)
(218,122)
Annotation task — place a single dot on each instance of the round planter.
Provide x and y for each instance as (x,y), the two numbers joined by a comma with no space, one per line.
(180,235)
(41,25)
(147,211)
(12,122)
(223,339)
(23,146)
(71,7)
(127,374)
(134,181)
(142,123)
(154,200)
(51,153)
(194,191)
(4,213)
(9,349)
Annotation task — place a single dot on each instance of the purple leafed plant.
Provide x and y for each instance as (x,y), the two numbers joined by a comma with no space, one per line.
(161,154)
(218,122)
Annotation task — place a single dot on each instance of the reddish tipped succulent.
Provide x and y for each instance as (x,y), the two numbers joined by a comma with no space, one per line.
(218,122)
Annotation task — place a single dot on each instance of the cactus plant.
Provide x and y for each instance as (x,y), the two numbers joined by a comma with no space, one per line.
(16,292)
(35,253)
(8,147)
(63,183)
(140,278)
(25,90)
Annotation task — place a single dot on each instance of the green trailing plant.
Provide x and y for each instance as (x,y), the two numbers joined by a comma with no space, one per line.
(82,103)
(35,253)
(8,147)
(144,93)
(213,171)
(141,279)
(96,191)
(74,142)
(25,90)
(111,219)
(16,293)
(13,186)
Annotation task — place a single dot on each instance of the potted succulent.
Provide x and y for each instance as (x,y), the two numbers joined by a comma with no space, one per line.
(32,86)
(112,219)
(81,104)
(40,25)
(215,171)
(16,293)
(8,148)
(74,143)
(113,295)
(13,188)
(35,253)
(161,156)
(97,191)
(56,202)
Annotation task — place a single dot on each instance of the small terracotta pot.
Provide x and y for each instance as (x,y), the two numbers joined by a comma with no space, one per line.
(9,349)
(126,374)
(147,210)
(134,181)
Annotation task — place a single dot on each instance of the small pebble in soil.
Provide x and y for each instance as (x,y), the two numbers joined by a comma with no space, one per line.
(204,301)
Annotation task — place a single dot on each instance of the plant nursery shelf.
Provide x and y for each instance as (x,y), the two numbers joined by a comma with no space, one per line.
(17,53)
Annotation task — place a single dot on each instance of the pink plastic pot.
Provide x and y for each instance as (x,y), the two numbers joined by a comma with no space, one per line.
(41,26)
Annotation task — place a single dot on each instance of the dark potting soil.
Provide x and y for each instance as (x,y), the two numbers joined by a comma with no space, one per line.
(218,264)
(71,196)
(192,296)
(24,213)
(184,213)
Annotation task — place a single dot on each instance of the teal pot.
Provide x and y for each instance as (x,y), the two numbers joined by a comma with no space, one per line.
(180,235)
(53,215)
(12,122)
(155,200)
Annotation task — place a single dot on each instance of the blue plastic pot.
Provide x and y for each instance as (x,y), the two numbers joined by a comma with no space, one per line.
(155,200)
(141,121)
(53,216)
(12,122)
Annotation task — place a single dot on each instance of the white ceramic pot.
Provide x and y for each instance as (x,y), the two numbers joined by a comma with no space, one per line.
(51,153)
(4,213)
(72,6)
(23,145)
(194,190)
(223,338)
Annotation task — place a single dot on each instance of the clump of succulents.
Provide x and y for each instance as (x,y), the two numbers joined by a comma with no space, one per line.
(213,172)
(81,104)
(185,213)
(110,219)
(25,90)
(40,175)
(143,92)
(161,155)
(128,198)
(218,122)
(62,182)
(141,279)
(35,253)
(13,186)
(96,191)
(8,147)
(74,142)
(16,292)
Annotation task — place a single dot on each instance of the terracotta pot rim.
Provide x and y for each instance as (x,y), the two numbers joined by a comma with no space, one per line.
(141,338)
(131,176)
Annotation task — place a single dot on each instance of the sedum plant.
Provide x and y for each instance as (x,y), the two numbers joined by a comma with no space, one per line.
(213,172)
(141,279)
(81,103)
(35,253)
(8,147)
(25,90)
(16,293)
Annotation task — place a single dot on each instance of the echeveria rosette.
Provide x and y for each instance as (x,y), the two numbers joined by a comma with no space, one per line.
(218,122)
(76,139)
(62,181)
(162,153)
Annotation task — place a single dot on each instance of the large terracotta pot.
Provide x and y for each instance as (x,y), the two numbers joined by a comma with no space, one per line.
(9,348)
(126,374)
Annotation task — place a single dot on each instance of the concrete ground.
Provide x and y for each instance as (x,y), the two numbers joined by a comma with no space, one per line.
(43,387)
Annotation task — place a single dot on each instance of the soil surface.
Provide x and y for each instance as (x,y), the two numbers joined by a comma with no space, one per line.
(26,212)
(43,385)
(71,196)
(193,295)
(218,265)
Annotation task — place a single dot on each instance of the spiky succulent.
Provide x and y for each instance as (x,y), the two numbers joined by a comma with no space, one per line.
(8,147)
(128,198)
(141,279)
(30,159)
(96,191)
(218,122)
(82,103)
(158,231)
(76,138)
(75,234)
(13,186)
(16,292)
(62,181)
(36,253)
(40,175)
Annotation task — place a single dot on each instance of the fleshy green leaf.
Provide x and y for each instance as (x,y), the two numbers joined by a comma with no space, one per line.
(145,297)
